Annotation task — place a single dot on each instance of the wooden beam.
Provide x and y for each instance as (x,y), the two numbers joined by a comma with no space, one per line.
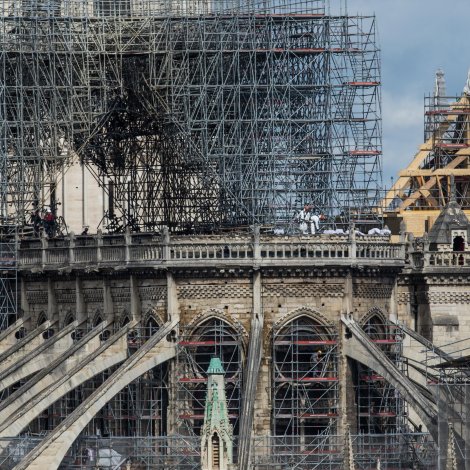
(438,172)
(403,181)
(424,190)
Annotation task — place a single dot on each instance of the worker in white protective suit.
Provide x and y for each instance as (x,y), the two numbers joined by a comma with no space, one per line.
(315,225)
(305,219)
(377,231)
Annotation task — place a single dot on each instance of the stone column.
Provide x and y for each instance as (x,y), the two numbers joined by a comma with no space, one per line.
(466,425)
(51,301)
(80,308)
(24,304)
(108,304)
(136,308)
(347,395)
(252,372)
(99,245)
(44,245)
(393,305)
(71,248)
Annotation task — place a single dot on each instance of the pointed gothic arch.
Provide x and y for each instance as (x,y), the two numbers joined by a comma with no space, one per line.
(42,318)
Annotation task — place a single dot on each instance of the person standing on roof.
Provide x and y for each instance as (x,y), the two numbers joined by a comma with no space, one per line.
(304,219)
(315,225)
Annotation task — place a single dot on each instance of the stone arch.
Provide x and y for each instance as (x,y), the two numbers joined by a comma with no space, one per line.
(213,334)
(221,315)
(97,318)
(42,318)
(151,313)
(304,312)
(123,318)
(373,312)
(68,318)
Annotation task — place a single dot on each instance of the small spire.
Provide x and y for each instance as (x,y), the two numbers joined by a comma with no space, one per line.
(466,88)
(453,191)
(215,367)
(440,89)
(216,432)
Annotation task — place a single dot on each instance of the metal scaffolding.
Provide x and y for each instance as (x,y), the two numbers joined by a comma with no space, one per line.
(305,395)
(194,114)
(448,370)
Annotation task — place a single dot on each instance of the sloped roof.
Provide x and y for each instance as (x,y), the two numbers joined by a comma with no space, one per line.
(451,217)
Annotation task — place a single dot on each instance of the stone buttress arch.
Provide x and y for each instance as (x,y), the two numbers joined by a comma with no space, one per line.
(51,450)
(358,346)
(62,376)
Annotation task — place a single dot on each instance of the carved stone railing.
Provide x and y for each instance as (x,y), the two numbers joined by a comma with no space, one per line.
(451,259)
(142,249)
(425,259)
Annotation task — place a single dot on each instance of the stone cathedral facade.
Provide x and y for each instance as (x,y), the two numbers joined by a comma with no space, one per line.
(318,338)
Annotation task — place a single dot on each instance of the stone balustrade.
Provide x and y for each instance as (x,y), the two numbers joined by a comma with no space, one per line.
(443,259)
(262,250)
(426,259)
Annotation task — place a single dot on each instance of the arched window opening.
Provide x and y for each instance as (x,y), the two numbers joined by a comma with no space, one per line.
(69,319)
(458,244)
(151,327)
(375,328)
(97,320)
(305,384)
(380,407)
(213,338)
(42,318)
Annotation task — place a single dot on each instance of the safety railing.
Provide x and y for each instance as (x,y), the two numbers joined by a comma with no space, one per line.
(261,249)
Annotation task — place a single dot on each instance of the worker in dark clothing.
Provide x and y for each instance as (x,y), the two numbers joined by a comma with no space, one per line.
(49,223)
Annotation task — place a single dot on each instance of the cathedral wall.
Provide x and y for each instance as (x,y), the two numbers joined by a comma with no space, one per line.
(322,294)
